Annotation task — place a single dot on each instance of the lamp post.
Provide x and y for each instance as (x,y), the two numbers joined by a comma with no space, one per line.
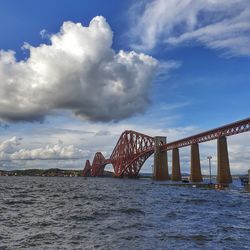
(209,164)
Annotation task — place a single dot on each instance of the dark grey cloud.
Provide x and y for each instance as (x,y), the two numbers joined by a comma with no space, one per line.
(57,131)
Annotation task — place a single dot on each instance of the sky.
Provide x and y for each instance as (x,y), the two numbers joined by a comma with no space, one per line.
(74,75)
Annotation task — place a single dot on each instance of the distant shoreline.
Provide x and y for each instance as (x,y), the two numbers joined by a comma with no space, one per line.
(56,172)
(52,172)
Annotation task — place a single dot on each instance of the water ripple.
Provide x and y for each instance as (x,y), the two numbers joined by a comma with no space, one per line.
(106,213)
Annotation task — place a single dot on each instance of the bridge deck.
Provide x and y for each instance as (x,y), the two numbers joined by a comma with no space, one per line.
(227,130)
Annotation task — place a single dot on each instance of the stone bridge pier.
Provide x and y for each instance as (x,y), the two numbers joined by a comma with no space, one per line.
(176,169)
(160,171)
(195,175)
(223,168)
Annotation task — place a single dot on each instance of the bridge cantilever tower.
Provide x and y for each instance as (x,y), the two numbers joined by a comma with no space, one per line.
(87,169)
(97,168)
(98,165)
(130,152)
(127,158)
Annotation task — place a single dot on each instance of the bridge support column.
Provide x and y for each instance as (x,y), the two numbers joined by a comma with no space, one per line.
(176,171)
(195,175)
(160,160)
(223,169)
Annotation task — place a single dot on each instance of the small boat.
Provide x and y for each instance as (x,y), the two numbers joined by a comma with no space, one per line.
(185,180)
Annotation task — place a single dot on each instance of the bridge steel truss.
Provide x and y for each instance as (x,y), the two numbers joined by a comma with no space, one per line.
(87,169)
(127,158)
(227,130)
(130,152)
(133,149)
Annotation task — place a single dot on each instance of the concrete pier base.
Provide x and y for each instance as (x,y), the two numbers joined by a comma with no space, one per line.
(160,160)
(223,169)
(176,170)
(195,175)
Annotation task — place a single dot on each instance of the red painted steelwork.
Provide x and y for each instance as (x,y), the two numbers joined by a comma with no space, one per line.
(133,149)
(227,130)
(87,169)
(98,165)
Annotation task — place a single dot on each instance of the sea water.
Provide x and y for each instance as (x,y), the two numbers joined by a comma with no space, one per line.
(109,213)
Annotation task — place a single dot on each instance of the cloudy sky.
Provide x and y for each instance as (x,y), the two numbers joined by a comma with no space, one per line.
(75,75)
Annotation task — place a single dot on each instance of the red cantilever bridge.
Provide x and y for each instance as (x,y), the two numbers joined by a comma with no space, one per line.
(133,149)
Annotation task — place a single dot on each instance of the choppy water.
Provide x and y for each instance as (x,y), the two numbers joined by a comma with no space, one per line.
(106,213)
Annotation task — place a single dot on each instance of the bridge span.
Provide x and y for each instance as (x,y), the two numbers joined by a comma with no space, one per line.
(133,149)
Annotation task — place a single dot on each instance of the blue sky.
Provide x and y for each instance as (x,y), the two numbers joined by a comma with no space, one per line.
(194,75)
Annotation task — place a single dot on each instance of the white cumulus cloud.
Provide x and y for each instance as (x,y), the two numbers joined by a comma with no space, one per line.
(223,25)
(77,71)
(10,151)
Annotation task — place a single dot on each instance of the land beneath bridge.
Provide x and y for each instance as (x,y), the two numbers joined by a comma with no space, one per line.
(52,172)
